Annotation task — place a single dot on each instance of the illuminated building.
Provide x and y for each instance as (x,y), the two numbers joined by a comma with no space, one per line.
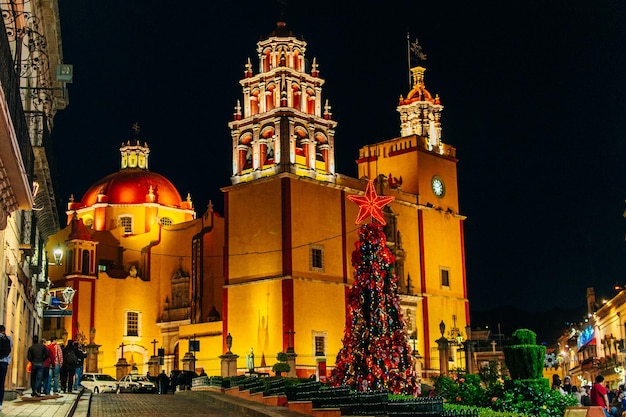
(33,81)
(596,346)
(128,256)
(287,234)
(290,231)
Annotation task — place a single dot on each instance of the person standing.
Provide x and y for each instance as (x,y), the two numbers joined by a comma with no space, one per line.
(45,376)
(600,398)
(55,370)
(79,367)
(70,360)
(567,385)
(163,382)
(37,354)
(5,359)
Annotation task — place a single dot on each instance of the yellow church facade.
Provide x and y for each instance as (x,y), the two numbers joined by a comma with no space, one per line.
(271,274)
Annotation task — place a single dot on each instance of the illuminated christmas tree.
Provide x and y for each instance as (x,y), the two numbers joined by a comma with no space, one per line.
(376,354)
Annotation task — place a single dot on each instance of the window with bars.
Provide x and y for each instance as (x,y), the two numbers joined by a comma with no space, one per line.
(165,221)
(132,323)
(127,223)
(320,342)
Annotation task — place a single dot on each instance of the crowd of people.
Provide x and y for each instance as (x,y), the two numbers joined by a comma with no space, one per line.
(613,401)
(55,367)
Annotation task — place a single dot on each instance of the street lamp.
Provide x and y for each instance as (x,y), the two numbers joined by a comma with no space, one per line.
(58,254)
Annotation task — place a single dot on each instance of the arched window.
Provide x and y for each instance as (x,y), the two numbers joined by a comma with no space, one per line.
(85,262)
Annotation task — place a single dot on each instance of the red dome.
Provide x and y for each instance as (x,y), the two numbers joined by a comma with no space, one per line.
(132,186)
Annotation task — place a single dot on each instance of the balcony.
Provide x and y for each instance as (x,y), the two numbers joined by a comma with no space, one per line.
(16,152)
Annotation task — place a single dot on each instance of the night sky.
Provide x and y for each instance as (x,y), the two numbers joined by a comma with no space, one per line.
(533,95)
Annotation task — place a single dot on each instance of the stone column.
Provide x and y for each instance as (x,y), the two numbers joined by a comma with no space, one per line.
(291,361)
(154,366)
(189,362)
(229,364)
(91,361)
(444,355)
(121,368)
(470,365)
(417,362)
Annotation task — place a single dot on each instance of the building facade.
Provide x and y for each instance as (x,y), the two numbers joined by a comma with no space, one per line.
(597,344)
(33,81)
(288,264)
(135,257)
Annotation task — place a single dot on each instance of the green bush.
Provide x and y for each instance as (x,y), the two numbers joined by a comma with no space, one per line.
(533,398)
(524,337)
(466,390)
(282,365)
(482,411)
(524,358)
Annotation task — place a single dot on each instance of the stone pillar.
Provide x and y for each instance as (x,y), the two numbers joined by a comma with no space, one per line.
(121,368)
(229,364)
(154,366)
(470,365)
(91,361)
(444,355)
(417,362)
(291,361)
(189,362)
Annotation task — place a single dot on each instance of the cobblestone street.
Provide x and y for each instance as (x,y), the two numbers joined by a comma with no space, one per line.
(144,405)
(186,403)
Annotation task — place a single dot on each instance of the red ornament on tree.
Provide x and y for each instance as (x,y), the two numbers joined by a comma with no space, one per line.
(370,204)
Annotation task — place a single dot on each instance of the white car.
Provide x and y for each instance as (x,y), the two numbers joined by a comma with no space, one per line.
(98,382)
(135,383)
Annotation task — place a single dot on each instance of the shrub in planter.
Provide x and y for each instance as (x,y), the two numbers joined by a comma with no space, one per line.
(282,365)
(524,357)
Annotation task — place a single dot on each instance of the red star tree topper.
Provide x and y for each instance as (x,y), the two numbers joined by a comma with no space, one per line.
(370,204)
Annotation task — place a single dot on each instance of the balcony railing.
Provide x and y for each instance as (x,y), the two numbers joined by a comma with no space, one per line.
(11,86)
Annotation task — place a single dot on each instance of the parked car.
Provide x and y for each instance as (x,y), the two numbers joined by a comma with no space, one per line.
(135,383)
(98,382)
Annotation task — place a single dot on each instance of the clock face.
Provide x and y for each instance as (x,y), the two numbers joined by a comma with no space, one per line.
(438,187)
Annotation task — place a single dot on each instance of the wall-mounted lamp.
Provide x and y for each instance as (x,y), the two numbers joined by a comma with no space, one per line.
(58,254)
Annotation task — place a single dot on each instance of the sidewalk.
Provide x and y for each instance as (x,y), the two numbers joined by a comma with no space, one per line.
(62,405)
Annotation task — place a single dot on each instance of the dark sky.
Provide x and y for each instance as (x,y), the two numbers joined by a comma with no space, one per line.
(533,95)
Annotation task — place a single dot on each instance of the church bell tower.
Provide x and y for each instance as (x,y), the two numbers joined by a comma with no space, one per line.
(282,125)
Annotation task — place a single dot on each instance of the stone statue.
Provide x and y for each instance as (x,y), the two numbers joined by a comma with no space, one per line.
(250,361)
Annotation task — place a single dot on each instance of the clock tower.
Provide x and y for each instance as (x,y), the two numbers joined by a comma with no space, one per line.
(427,238)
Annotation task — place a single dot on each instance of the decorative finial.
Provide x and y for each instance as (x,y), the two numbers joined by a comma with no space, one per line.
(327,113)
